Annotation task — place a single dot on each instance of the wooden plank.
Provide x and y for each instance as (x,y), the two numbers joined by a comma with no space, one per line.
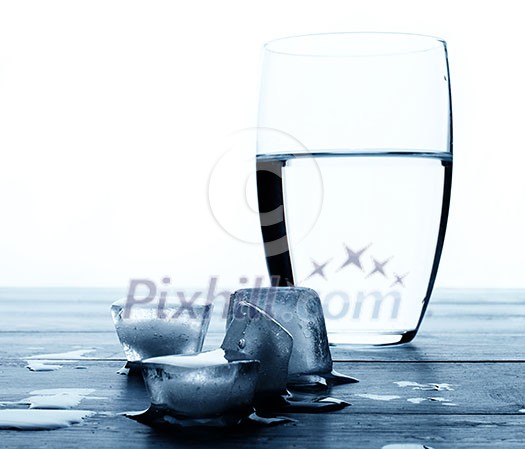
(23,345)
(486,415)
(426,347)
(442,346)
(310,431)
(473,311)
(489,388)
(108,294)
(469,296)
(96,318)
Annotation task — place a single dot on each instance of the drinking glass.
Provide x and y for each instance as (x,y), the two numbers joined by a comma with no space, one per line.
(354,170)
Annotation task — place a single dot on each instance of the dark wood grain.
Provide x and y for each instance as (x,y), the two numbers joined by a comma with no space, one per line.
(329,431)
(87,310)
(487,412)
(492,388)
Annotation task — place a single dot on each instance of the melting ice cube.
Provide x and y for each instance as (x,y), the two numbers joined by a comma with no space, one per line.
(256,335)
(201,385)
(299,311)
(253,333)
(145,330)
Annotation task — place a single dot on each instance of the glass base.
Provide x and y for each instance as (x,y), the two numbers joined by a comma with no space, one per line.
(371,338)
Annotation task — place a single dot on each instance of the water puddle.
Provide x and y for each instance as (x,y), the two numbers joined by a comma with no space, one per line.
(425,387)
(48,362)
(57,398)
(166,418)
(298,403)
(54,398)
(76,354)
(416,400)
(318,382)
(442,401)
(379,397)
(38,366)
(34,419)
(46,409)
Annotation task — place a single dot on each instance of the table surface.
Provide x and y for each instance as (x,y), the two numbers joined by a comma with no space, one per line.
(473,340)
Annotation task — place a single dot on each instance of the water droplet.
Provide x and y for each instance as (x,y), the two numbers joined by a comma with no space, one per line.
(425,387)
(242,343)
(416,400)
(379,397)
(406,446)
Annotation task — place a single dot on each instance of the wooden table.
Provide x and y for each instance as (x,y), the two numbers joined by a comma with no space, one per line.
(472,340)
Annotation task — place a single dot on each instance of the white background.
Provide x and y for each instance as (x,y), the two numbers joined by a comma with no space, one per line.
(114,113)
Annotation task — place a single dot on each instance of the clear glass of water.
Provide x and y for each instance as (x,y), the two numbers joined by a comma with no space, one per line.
(354,169)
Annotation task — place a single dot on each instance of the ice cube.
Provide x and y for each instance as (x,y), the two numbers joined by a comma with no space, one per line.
(299,311)
(256,335)
(201,385)
(145,330)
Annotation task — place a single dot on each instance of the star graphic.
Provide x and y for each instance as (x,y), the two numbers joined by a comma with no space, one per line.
(399,279)
(319,269)
(353,257)
(379,267)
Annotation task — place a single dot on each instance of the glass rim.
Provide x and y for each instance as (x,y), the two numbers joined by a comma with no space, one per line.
(284,45)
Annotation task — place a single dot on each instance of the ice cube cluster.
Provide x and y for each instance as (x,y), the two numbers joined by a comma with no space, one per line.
(275,340)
